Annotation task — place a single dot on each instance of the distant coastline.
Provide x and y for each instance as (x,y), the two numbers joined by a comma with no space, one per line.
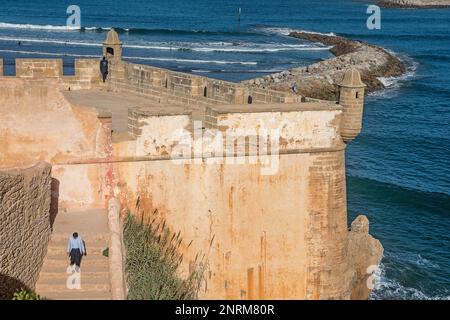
(319,80)
(418,4)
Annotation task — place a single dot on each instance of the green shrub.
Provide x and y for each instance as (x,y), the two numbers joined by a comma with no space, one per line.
(22,294)
(152,263)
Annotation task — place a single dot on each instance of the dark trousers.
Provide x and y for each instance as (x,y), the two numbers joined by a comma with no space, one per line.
(75,257)
(104,75)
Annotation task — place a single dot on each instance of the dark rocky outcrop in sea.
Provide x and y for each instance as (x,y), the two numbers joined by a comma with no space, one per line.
(319,80)
(419,4)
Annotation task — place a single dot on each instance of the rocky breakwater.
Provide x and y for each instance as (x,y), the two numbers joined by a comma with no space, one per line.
(319,80)
(414,3)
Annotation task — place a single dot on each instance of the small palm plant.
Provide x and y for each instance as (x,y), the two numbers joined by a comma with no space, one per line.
(23,294)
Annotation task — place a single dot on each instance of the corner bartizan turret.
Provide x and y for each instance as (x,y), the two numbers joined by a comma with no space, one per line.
(112,47)
(351,97)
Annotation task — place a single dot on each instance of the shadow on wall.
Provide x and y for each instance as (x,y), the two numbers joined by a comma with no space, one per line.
(9,285)
(54,201)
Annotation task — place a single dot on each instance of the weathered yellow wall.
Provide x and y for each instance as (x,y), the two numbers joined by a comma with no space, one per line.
(257,222)
(273,236)
(264,237)
(37,123)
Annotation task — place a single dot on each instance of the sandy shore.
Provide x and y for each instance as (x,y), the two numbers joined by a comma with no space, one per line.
(319,80)
(414,3)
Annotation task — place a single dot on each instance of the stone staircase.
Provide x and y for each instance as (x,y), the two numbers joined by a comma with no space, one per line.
(92,226)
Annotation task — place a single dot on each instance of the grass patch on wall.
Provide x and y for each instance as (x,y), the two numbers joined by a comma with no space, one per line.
(152,263)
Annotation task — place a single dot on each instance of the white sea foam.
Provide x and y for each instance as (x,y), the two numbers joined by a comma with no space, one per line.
(4,25)
(193,60)
(201,71)
(391,84)
(52,41)
(240,71)
(387,288)
(132,57)
(255,48)
(287,31)
(186,46)
(420,261)
(394,82)
(40,53)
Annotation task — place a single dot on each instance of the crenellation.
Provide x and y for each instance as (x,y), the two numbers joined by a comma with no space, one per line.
(39,68)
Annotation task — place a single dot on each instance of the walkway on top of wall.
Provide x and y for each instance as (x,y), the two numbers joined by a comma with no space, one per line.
(117,104)
(92,226)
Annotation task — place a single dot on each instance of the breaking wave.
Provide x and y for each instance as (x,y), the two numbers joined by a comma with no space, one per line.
(257,30)
(6,25)
(52,41)
(241,47)
(390,289)
(130,57)
(266,71)
(40,53)
(193,60)
(287,31)
(48,27)
(393,83)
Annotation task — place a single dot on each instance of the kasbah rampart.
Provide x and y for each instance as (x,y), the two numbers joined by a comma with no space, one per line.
(77,153)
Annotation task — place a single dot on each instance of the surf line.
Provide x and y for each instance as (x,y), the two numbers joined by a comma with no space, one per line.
(130,58)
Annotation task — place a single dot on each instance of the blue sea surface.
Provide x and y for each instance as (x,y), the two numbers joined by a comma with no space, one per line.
(398,169)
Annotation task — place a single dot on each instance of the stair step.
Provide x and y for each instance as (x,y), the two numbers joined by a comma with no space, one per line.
(86,265)
(89,238)
(88,277)
(85,268)
(78,295)
(88,257)
(56,287)
(53,250)
(92,225)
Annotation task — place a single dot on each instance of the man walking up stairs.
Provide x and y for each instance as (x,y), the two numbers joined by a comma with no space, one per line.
(59,281)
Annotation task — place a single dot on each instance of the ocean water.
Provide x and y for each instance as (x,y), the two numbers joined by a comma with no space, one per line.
(398,168)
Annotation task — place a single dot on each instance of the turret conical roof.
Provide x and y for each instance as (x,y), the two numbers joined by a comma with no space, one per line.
(112,37)
(352,78)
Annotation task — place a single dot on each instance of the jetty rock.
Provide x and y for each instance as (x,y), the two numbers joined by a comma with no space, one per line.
(419,4)
(319,80)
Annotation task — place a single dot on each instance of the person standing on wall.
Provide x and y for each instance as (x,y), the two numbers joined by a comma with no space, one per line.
(75,249)
(104,68)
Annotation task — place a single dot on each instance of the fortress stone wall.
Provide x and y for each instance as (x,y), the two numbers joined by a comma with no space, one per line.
(266,226)
(164,86)
(39,124)
(158,85)
(86,72)
(25,226)
(264,235)
(281,235)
